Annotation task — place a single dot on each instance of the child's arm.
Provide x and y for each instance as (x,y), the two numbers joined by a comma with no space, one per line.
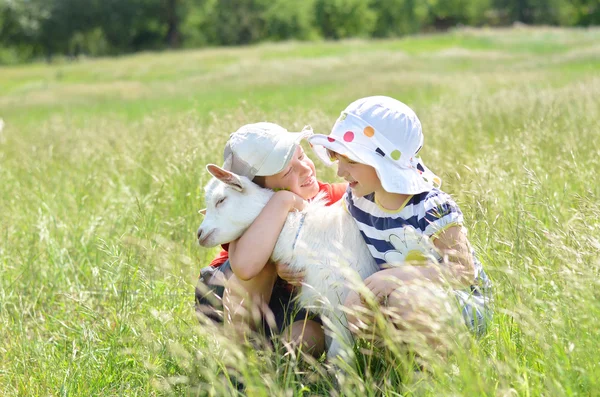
(457,270)
(458,258)
(249,254)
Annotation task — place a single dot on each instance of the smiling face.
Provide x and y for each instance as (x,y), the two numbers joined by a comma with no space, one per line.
(299,177)
(361,178)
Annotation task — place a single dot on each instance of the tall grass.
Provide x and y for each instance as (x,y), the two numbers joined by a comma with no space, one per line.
(102,168)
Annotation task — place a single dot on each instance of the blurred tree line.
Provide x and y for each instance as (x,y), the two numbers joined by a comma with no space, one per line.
(31,29)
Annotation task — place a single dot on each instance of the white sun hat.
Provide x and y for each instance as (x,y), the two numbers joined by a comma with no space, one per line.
(261,149)
(386,134)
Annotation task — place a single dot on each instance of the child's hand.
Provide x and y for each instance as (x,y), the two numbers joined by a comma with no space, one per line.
(294,202)
(383,283)
(294,277)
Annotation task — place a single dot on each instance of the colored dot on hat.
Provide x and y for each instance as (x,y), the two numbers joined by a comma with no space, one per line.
(330,139)
(380,152)
(396,154)
(349,136)
(369,131)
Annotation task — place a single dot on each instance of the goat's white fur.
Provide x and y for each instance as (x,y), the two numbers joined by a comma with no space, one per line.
(327,245)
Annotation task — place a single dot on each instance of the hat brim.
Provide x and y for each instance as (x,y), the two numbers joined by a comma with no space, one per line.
(319,143)
(394,177)
(282,153)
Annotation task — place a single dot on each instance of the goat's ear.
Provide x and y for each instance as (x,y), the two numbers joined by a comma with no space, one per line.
(225,176)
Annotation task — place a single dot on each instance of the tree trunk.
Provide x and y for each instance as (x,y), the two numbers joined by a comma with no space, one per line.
(173,35)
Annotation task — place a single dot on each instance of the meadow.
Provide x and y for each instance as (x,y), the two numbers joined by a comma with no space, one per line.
(101,175)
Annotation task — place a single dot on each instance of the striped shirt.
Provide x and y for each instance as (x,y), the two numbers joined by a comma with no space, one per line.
(427,213)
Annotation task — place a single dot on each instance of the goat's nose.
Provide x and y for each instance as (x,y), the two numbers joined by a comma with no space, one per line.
(199,233)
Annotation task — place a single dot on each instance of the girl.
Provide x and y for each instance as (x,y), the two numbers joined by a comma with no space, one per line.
(273,158)
(405,220)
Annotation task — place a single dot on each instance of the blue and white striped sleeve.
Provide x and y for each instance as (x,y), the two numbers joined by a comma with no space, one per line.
(441,212)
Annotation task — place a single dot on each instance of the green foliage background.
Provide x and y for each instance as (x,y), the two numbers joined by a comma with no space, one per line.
(31,29)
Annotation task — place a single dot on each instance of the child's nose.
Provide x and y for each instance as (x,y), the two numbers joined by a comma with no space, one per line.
(341,171)
(305,169)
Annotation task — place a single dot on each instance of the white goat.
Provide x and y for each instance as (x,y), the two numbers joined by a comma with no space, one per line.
(322,241)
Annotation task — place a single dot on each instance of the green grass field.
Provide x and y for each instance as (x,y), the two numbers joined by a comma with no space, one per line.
(102,167)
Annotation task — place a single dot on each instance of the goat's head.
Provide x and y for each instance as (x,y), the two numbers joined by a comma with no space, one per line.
(232,204)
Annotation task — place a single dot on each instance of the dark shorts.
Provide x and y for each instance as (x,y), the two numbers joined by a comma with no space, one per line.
(283,305)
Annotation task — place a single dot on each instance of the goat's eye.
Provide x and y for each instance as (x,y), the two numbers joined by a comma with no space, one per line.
(220,202)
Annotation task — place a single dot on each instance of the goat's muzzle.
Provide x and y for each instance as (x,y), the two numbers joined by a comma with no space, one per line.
(203,237)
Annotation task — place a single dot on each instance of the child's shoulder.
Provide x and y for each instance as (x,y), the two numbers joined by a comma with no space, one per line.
(434,195)
(432,198)
(333,191)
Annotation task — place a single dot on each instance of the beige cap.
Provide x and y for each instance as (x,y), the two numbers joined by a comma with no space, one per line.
(261,149)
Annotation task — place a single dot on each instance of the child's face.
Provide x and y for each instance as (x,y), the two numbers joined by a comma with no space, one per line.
(298,177)
(362,178)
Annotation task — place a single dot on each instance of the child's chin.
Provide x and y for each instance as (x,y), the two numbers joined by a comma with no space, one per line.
(310,191)
(357,191)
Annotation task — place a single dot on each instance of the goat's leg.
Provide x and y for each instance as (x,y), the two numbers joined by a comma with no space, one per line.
(341,348)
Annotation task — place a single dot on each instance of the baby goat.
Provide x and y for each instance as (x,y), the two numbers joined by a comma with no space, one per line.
(324,242)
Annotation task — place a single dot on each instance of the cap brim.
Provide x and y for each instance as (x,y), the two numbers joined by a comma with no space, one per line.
(282,153)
